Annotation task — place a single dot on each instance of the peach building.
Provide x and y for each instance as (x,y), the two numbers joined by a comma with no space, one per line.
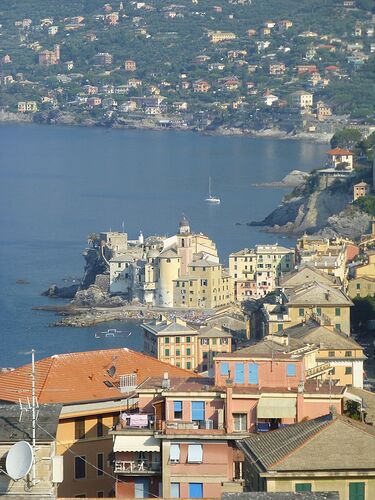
(361,189)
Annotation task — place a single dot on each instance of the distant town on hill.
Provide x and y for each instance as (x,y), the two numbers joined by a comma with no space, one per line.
(231,66)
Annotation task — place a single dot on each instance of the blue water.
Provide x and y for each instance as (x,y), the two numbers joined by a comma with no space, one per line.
(58,184)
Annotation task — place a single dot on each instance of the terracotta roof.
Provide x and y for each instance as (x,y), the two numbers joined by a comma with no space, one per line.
(339,151)
(81,376)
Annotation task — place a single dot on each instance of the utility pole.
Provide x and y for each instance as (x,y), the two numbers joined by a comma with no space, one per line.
(33,409)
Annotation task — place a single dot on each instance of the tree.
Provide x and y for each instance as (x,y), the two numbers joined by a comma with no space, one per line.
(346,138)
(353,410)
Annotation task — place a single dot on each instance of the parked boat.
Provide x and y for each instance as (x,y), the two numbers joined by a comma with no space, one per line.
(211,198)
(111,333)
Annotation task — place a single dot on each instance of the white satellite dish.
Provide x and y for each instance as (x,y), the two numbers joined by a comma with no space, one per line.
(19,460)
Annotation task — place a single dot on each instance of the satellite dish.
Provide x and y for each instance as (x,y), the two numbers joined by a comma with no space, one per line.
(19,460)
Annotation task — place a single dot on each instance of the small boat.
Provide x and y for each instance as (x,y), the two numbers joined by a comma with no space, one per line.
(111,333)
(212,199)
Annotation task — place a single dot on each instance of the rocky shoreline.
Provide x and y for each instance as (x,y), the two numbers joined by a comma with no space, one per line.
(71,119)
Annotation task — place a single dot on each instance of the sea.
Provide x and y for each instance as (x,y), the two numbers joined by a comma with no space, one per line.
(58,184)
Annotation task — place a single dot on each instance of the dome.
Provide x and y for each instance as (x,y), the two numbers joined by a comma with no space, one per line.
(184,221)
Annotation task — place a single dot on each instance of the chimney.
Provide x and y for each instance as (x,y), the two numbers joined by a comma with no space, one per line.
(166,383)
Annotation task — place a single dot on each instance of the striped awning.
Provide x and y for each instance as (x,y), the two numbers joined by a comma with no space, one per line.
(276,408)
(136,443)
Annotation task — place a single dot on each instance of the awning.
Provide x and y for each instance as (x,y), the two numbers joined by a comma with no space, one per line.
(276,408)
(136,443)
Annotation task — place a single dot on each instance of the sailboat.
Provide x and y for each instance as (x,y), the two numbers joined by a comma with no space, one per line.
(211,199)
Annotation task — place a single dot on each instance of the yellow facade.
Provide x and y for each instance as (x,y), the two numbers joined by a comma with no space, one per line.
(339,317)
(330,483)
(206,286)
(90,446)
(178,350)
(367,269)
(361,287)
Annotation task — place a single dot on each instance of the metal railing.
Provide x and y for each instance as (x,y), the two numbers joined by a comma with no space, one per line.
(135,466)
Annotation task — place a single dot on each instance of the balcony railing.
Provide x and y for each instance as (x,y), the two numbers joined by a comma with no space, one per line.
(201,424)
(318,370)
(136,466)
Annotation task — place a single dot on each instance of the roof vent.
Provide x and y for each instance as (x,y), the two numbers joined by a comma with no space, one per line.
(111,371)
(166,383)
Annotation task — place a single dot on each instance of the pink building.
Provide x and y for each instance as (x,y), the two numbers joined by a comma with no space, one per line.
(183,441)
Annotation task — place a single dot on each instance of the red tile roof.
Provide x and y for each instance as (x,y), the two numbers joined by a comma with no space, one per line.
(339,151)
(80,376)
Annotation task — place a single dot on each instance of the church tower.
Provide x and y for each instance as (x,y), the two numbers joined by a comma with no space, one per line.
(184,245)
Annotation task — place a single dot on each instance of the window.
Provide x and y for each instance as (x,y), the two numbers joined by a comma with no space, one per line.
(100,464)
(166,352)
(80,467)
(175,490)
(99,427)
(214,341)
(195,490)
(358,286)
(197,410)
(338,327)
(348,370)
(177,409)
(337,311)
(331,354)
(166,340)
(177,340)
(253,373)
(333,371)
(356,491)
(188,365)
(100,494)
(280,327)
(318,311)
(205,355)
(299,487)
(224,341)
(188,351)
(195,454)
(188,340)
(204,341)
(239,373)
(80,428)
(240,421)
(291,370)
(174,454)
(301,311)
(224,368)
(178,352)
(348,354)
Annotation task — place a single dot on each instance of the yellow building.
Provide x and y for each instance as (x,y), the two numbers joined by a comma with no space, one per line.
(361,189)
(177,343)
(364,286)
(331,453)
(367,269)
(206,286)
(221,36)
(93,388)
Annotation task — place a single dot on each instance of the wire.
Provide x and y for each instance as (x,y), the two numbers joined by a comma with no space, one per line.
(86,461)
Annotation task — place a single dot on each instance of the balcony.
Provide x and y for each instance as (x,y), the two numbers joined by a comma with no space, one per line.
(318,370)
(196,427)
(137,467)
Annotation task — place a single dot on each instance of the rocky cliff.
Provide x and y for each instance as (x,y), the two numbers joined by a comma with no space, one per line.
(318,209)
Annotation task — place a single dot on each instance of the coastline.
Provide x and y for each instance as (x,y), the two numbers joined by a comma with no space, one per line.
(66,120)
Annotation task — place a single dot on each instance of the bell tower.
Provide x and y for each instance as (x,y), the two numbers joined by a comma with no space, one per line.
(184,245)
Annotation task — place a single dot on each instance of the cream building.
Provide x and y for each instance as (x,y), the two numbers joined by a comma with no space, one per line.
(221,36)
(177,343)
(302,99)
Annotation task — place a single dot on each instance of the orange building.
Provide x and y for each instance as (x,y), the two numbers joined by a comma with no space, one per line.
(93,388)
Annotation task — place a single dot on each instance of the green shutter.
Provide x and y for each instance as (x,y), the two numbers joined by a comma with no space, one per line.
(303,487)
(356,491)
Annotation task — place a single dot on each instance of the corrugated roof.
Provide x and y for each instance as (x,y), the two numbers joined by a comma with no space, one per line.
(81,376)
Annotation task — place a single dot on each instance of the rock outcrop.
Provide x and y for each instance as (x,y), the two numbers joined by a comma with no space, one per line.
(65,292)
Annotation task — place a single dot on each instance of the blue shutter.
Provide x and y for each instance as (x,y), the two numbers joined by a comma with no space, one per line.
(224,368)
(291,370)
(177,406)
(197,410)
(239,376)
(253,373)
(141,487)
(196,490)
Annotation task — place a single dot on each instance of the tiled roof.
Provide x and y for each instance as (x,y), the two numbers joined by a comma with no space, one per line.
(317,294)
(168,327)
(317,444)
(212,332)
(80,376)
(339,151)
(14,427)
(306,274)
